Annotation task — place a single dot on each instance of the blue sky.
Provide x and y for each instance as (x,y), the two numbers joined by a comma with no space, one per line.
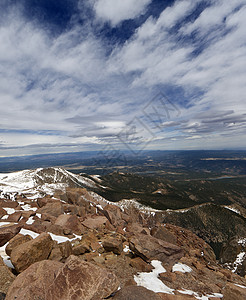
(79,75)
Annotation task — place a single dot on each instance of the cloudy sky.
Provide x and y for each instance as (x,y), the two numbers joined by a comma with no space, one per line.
(80,75)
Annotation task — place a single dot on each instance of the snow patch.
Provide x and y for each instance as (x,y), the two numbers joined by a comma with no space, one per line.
(30,221)
(9,211)
(179,267)
(233,209)
(151,281)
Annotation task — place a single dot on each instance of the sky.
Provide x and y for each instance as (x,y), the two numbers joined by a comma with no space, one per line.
(81,75)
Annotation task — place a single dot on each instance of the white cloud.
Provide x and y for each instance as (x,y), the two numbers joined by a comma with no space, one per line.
(116,11)
(69,86)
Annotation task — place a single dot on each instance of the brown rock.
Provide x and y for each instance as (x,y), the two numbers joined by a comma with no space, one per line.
(113,214)
(234,292)
(161,233)
(43,201)
(94,223)
(7,233)
(70,222)
(2,212)
(54,209)
(79,279)
(6,277)
(30,252)
(9,204)
(32,284)
(148,248)
(81,248)
(140,265)
(16,241)
(15,217)
(135,293)
(113,244)
(61,251)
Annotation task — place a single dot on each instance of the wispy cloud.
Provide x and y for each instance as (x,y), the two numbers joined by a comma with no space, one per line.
(73,85)
(116,11)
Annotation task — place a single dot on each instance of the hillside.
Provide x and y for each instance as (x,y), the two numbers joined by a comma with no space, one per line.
(74,244)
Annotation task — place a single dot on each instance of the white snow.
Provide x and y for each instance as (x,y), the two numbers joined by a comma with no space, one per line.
(8,263)
(203,297)
(4,223)
(179,267)
(9,211)
(242,241)
(28,207)
(238,261)
(126,249)
(233,209)
(29,232)
(150,280)
(62,239)
(241,286)
(30,221)
(33,183)
(5,217)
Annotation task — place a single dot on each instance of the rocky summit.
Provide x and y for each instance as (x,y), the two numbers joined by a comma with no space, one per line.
(70,243)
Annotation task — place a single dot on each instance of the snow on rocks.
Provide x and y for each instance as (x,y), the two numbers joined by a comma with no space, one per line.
(179,267)
(151,281)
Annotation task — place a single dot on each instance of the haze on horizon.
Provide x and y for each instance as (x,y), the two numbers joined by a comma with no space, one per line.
(81,75)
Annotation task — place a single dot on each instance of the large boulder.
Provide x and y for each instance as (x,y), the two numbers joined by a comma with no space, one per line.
(234,292)
(95,222)
(162,233)
(113,243)
(79,279)
(32,284)
(135,293)
(6,277)
(149,248)
(70,222)
(30,252)
(54,208)
(16,241)
(7,233)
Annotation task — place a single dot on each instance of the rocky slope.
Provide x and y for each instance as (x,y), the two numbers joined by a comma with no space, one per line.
(73,244)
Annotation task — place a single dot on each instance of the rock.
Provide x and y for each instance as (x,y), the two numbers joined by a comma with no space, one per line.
(32,284)
(61,251)
(43,201)
(52,208)
(113,214)
(140,265)
(94,223)
(7,233)
(161,233)
(16,241)
(113,244)
(70,222)
(234,292)
(2,212)
(79,279)
(81,248)
(15,217)
(30,252)
(6,277)
(135,293)
(149,248)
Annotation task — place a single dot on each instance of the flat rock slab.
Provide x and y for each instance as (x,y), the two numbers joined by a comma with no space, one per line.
(34,281)
(79,279)
(94,223)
